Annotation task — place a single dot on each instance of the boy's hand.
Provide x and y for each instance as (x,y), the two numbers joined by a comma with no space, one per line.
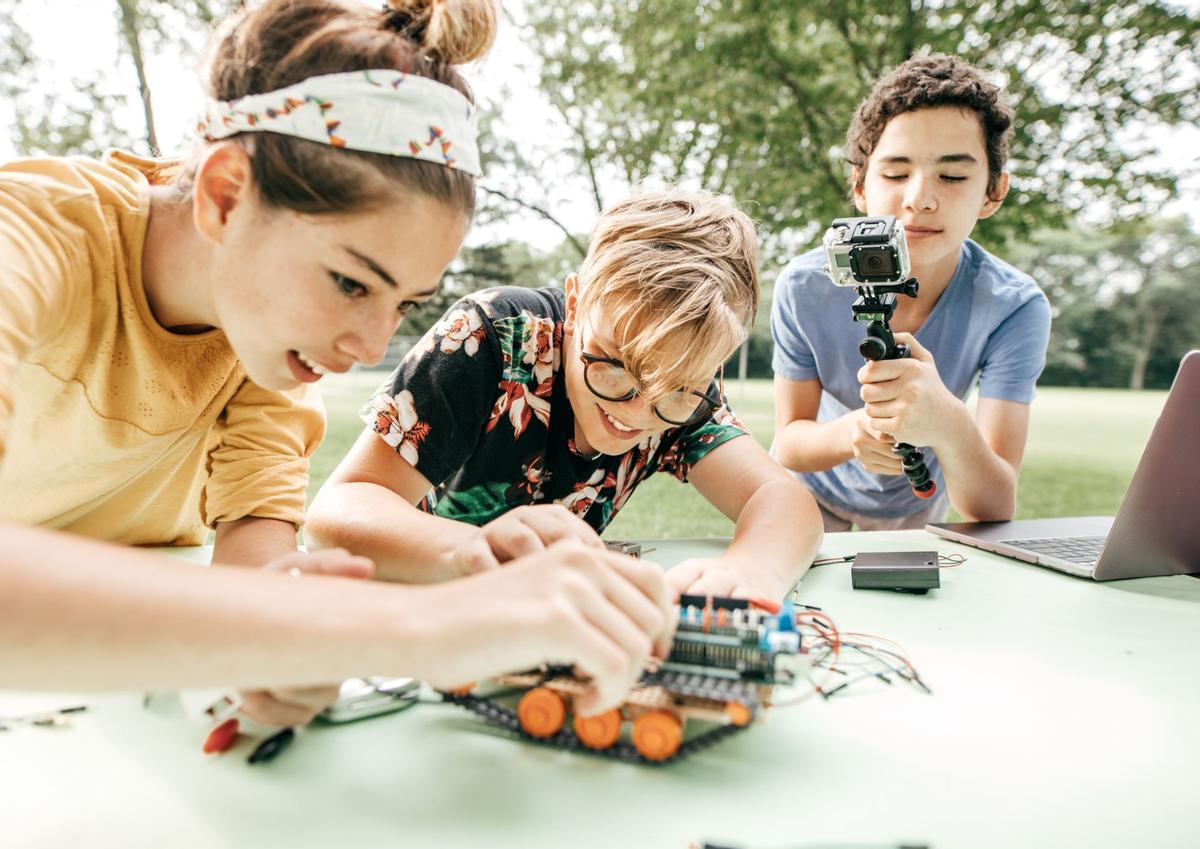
(906,398)
(872,449)
(519,532)
(604,613)
(300,705)
(722,577)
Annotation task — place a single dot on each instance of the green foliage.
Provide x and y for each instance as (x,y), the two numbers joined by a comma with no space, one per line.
(77,123)
(1125,301)
(51,121)
(496,264)
(81,119)
(754,97)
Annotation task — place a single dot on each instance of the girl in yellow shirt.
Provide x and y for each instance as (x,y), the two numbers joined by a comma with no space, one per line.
(161,325)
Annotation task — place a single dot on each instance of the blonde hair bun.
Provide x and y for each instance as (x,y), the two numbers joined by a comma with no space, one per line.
(454,31)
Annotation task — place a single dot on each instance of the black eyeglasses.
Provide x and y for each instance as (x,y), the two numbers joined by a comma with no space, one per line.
(607,378)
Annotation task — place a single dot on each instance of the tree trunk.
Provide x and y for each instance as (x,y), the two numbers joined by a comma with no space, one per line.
(131,35)
(1151,322)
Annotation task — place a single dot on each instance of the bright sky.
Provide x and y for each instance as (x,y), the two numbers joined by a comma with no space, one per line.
(84,39)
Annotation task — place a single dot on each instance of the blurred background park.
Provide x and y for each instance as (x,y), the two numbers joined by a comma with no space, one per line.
(583,99)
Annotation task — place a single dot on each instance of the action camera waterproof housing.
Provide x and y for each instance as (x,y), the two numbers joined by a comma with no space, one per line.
(866,251)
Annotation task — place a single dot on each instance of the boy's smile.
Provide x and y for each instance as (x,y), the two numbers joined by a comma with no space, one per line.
(610,427)
(597,427)
(616,427)
(915,233)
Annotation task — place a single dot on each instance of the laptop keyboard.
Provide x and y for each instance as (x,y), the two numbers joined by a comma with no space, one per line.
(1082,550)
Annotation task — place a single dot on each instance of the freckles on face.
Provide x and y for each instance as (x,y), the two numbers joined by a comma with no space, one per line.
(332,288)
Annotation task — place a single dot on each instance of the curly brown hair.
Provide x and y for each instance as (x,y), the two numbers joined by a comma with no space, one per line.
(926,82)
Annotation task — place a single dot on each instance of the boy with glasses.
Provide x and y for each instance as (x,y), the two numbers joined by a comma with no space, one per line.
(529,416)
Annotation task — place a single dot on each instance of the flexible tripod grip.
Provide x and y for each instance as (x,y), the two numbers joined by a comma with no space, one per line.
(913,463)
(875,347)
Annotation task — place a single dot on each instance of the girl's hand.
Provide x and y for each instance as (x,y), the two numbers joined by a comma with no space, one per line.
(300,705)
(332,562)
(569,603)
(288,706)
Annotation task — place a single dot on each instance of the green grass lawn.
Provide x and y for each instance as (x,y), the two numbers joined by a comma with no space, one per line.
(1083,447)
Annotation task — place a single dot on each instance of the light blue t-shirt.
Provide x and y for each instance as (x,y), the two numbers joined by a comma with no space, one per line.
(992,323)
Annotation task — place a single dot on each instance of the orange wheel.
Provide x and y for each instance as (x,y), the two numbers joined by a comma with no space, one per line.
(599,731)
(738,714)
(541,711)
(657,734)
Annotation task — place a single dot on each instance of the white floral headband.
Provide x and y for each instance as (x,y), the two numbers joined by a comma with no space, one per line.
(377,111)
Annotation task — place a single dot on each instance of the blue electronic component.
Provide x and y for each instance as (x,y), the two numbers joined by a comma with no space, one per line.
(730,635)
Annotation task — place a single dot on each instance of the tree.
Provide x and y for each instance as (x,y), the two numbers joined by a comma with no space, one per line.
(81,120)
(47,120)
(161,26)
(754,97)
(511,263)
(1124,301)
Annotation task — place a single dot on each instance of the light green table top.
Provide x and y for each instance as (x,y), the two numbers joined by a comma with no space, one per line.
(1064,713)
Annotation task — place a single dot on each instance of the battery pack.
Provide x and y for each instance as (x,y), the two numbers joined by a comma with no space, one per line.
(903,571)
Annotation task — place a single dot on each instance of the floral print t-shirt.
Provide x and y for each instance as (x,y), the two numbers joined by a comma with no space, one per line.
(479,407)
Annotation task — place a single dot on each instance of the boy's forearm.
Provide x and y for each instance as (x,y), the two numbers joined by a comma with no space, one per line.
(778,533)
(407,544)
(980,484)
(804,445)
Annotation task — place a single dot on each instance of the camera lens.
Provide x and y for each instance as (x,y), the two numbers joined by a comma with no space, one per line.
(876,262)
(873,263)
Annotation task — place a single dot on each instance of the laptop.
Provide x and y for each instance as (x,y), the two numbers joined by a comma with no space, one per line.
(1156,530)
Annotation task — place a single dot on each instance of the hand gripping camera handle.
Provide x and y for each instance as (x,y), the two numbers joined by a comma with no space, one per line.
(879,344)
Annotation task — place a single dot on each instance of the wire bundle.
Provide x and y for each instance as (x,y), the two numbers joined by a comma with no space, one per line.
(848,657)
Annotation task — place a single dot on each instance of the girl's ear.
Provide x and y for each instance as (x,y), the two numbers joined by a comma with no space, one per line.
(224,180)
(571,287)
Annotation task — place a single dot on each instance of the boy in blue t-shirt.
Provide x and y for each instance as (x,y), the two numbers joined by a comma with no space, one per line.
(927,146)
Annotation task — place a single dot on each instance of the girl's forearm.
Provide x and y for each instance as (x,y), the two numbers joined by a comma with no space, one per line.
(253,541)
(76,614)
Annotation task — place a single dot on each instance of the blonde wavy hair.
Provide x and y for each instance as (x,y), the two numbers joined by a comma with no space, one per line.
(676,272)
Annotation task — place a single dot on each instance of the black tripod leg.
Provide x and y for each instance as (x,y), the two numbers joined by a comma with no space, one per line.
(913,463)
